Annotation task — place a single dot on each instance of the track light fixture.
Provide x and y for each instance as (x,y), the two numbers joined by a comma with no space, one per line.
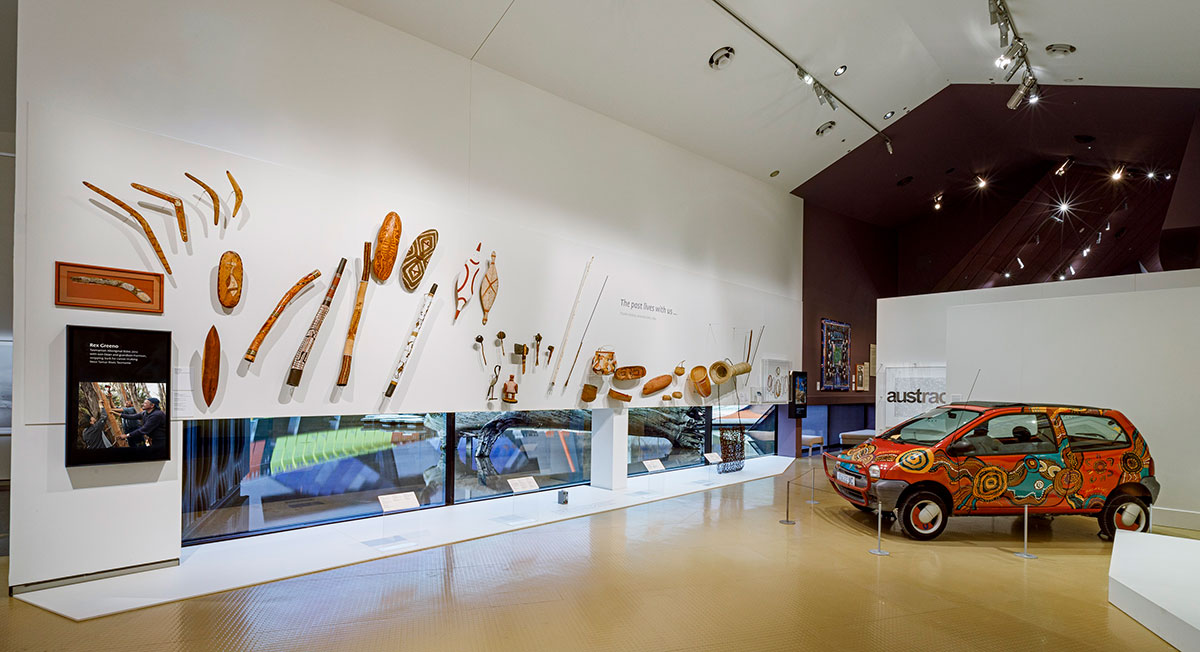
(937,202)
(1020,263)
(980,182)
(1014,56)
(1118,173)
(1151,175)
(1027,83)
(804,76)
(999,17)
(1062,169)
(1072,268)
(824,96)
(1086,251)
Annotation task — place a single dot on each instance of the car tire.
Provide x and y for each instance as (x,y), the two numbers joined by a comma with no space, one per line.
(1124,512)
(923,515)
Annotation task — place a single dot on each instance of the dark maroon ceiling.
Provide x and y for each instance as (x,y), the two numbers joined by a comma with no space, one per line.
(966,129)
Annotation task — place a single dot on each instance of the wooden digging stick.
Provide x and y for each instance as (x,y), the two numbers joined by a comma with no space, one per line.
(140,220)
(348,350)
(252,351)
(570,320)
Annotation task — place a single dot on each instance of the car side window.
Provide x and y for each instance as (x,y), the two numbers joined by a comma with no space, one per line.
(1013,434)
(1088,432)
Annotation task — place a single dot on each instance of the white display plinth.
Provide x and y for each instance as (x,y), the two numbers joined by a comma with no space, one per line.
(1153,578)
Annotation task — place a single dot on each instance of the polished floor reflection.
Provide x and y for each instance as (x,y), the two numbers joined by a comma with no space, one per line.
(713,570)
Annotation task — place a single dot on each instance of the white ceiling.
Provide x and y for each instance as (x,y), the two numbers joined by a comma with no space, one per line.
(645,62)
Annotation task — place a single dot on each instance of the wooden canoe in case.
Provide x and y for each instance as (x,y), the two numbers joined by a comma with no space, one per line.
(387,246)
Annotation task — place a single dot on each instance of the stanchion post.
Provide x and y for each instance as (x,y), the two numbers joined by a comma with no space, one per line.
(1024,554)
(878,550)
(787,517)
(812,485)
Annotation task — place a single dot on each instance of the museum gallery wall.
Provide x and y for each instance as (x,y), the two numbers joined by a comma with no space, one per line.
(687,257)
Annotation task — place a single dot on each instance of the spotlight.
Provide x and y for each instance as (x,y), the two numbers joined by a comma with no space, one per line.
(1020,263)
(1007,275)
(888,143)
(1034,97)
(1118,173)
(1023,89)
(841,70)
(937,202)
(1167,176)
(1062,277)
(888,115)
(1151,175)
(1014,51)
(1062,169)
(804,76)
(824,96)
(1063,207)
(1086,251)
(1012,70)
(980,182)
(1098,234)
(1072,268)
(1108,227)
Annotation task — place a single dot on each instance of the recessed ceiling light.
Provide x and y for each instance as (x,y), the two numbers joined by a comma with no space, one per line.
(1059,50)
(1063,207)
(1151,175)
(774,173)
(720,58)
(841,70)
(980,182)
(1007,275)
(1062,277)
(1167,176)
(826,128)
(888,115)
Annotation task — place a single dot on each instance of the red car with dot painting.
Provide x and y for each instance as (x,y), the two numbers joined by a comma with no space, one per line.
(994,459)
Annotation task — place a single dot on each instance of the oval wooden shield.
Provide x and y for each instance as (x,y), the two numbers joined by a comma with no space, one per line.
(412,269)
(387,246)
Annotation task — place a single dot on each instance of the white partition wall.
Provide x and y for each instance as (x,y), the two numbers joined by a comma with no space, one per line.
(1126,343)
(329,120)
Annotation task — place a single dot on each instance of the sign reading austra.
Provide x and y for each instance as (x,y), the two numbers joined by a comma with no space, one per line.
(906,392)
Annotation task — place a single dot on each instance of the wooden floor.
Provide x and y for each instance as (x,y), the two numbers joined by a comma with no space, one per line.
(708,571)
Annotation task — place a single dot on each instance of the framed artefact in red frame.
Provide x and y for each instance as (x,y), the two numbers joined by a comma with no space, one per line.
(107,288)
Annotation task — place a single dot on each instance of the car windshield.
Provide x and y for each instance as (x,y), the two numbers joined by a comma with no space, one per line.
(931,427)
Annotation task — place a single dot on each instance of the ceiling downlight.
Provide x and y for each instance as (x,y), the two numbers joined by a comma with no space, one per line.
(721,58)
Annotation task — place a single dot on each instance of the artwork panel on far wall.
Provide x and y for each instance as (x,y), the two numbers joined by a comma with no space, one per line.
(836,372)
(107,288)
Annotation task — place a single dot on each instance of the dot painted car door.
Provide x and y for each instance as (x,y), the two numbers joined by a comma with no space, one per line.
(1015,459)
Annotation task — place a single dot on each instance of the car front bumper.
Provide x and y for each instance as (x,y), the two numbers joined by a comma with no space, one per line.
(1152,486)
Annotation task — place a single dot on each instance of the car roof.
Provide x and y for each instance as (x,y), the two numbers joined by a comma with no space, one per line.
(987,405)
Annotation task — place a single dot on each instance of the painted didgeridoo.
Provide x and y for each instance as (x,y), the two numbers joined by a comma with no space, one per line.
(210,375)
(180,217)
(412,341)
(348,350)
(464,288)
(310,337)
(140,220)
(252,351)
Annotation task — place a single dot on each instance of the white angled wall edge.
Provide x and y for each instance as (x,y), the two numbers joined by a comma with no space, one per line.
(610,448)
(1153,578)
(445,142)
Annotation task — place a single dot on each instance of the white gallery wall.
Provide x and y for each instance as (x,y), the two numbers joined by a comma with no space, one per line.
(330,120)
(1125,343)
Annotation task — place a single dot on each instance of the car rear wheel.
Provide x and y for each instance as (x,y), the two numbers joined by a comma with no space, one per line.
(923,515)
(1124,512)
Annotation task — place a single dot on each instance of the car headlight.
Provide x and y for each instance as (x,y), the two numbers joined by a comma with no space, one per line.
(873,471)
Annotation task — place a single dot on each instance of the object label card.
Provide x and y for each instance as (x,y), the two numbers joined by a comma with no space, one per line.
(713,458)
(398,502)
(653,465)
(519,485)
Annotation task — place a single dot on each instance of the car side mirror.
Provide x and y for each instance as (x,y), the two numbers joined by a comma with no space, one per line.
(961,448)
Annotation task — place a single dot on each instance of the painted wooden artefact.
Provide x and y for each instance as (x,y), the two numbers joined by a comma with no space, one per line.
(237,193)
(252,350)
(210,376)
(348,350)
(140,220)
(229,279)
(619,396)
(212,195)
(387,245)
(655,384)
(589,393)
(416,261)
(412,341)
(489,289)
(310,337)
(700,381)
(176,203)
(464,287)
(629,373)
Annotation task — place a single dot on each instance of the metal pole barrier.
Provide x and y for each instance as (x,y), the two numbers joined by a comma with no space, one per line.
(787,517)
(1024,554)
(878,550)
(812,482)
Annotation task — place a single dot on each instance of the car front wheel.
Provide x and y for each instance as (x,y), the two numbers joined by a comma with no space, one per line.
(1124,512)
(923,515)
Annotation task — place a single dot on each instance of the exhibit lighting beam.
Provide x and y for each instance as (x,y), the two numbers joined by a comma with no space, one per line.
(828,95)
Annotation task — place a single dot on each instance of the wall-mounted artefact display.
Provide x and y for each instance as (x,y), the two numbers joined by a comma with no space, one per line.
(537,348)
(655,384)
(252,350)
(500,335)
(491,395)
(140,220)
(238,196)
(212,196)
(210,366)
(387,246)
(416,261)
(700,381)
(588,394)
(798,395)
(628,373)
(229,279)
(619,396)
(509,392)
(413,335)
(677,394)
(489,288)
(570,320)
(720,372)
(679,369)
(107,288)
(176,203)
(835,356)
(775,375)
(523,351)
(482,352)
(733,449)
(360,298)
(586,327)
(464,286)
(118,382)
(310,337)
(549,353)
(604,363)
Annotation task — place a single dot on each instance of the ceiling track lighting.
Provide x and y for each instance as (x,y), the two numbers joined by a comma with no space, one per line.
(980,182)
(1027,84)
(1014,56)
(1062,169)
(1118,173)
(1020,263)
(937,202)
(826,96)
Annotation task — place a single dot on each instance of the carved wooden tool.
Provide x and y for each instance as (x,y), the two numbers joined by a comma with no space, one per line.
(464,288)
(310,338)
(500,336)
(176,202)
(229,279)
(387,245)
(537,348)
(655,384)
(489,289)
(140,220)
(549,353)
(416,261)
(237,193)
(589,393)
(521,350)
(348,350)
(212,195)
(252,351)
(479,340)
(619,396)
(112,282)
(570,320)
(412,340)
(629,373)
(210,376)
